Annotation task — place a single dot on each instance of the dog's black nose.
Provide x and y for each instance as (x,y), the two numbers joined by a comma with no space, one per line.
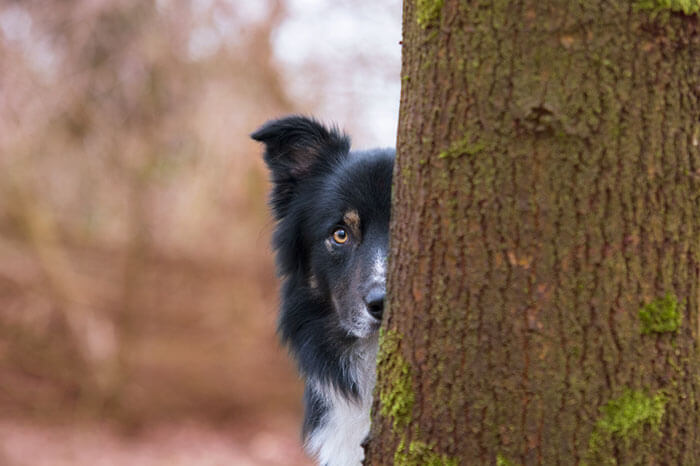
(375,302)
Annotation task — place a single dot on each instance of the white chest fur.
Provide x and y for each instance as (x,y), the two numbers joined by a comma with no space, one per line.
(337,441)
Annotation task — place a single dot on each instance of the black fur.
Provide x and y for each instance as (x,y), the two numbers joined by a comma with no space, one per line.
(316,181)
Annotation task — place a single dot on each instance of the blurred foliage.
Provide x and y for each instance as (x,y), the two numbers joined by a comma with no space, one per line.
(136,280)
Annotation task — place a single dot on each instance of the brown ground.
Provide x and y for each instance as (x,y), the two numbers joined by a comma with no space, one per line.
(204,379)
(183,443)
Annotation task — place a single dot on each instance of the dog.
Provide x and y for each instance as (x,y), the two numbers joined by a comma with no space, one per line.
(332,208)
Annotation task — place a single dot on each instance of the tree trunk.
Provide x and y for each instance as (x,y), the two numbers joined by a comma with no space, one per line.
(544,273)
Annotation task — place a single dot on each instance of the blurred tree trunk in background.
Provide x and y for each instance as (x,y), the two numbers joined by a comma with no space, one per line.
(545,261)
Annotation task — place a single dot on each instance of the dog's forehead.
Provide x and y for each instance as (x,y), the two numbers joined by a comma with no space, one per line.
(359,211)
(356,193)
(365,185)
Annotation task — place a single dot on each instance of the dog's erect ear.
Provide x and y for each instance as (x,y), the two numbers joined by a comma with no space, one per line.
(297,147)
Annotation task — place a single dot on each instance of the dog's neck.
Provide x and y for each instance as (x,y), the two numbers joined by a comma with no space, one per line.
(345,425)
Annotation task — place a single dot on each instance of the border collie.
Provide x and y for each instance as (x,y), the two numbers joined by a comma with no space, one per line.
(331,238)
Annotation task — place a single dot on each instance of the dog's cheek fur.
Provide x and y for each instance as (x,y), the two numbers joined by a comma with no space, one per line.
(348,300)
(342,276)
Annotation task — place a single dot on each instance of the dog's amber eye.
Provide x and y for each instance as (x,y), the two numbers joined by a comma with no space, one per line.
(340,236)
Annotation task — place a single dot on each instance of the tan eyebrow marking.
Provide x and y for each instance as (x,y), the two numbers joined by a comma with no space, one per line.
(352,220)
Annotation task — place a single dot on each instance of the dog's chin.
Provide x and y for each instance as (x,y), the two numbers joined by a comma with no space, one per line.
(364,327)
(366,330)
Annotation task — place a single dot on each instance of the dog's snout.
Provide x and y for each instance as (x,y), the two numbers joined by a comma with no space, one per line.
(375,302)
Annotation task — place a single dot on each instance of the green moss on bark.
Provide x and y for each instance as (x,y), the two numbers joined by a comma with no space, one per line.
(661,315)
(503,461)
(428,12)
(626,418)
(396,400)
(465,146)
(688,7)
(420,454)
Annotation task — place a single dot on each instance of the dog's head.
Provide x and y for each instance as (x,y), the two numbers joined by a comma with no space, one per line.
(332,207)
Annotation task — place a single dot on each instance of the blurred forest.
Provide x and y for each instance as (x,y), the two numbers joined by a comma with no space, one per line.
(137,286)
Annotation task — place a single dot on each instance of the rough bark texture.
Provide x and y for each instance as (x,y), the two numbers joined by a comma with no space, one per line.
(545,244)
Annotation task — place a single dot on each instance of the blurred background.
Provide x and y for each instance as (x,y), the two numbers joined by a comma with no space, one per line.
(137,288)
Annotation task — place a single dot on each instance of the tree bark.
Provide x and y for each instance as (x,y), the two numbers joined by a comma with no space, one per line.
(544,278)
